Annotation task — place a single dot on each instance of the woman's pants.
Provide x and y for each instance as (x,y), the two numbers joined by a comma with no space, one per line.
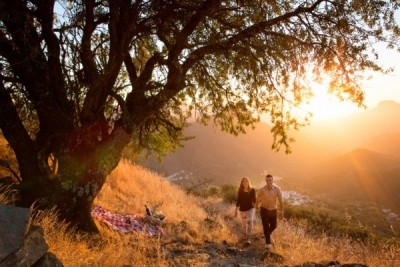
(269,220)
(247,221)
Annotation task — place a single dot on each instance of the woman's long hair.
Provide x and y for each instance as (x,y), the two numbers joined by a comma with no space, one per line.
(241,187)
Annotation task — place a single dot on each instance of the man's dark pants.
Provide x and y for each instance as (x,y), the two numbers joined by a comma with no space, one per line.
(269,220)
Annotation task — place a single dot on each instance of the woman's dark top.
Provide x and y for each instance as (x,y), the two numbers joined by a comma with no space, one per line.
(246,200)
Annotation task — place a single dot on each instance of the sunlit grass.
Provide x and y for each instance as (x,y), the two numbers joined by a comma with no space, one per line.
(190,222)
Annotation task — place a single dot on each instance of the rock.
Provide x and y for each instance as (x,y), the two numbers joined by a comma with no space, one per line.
(48,260)
(353,265)
(13,223)
(330,263)
(33,249)
(250,254)
(309,264)
(271,257)
(22,244)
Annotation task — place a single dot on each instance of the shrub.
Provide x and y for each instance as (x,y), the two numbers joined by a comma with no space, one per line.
(229,193)
(318,222)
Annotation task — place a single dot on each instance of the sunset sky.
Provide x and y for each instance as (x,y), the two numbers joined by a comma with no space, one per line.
(379,88)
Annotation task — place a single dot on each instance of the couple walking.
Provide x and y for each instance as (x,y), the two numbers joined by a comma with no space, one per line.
(267,197)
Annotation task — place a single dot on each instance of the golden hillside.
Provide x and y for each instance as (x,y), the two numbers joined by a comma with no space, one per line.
(201,232)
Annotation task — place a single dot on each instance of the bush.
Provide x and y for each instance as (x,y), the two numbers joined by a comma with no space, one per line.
(209,192)
(317,222)
(229,193)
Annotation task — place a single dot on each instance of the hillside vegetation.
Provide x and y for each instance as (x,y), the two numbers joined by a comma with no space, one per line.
(129,187)
(348,165)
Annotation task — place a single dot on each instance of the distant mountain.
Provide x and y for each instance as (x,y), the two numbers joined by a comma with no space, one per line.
(385,143)
(224,158)
(360,175)
(220,156)
(354,129)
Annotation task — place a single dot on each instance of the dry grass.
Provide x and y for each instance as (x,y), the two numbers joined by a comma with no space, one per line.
(127,189)
(297,247)
(5,196)
(191,222)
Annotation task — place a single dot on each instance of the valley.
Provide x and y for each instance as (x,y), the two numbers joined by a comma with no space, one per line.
(349,166)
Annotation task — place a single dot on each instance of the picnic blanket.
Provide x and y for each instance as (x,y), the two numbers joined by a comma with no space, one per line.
(127,223)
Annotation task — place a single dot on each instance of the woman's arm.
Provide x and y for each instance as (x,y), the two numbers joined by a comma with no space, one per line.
(253,196)
(259,193)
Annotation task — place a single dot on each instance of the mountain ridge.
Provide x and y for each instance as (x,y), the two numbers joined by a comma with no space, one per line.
(360,174)
(314,144)
(224,158)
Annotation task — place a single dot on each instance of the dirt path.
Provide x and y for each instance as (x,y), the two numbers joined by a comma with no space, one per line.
(224,254)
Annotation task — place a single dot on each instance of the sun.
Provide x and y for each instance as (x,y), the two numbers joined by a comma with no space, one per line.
(325,106)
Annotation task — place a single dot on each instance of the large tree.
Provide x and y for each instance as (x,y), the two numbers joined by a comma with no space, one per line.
(82,80)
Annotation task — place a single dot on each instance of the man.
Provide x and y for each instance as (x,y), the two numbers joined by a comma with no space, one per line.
(267,197)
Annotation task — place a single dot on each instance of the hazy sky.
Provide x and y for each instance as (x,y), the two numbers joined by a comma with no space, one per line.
(385,87)
(379,88)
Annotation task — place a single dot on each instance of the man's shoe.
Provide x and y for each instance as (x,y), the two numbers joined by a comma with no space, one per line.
(267,246)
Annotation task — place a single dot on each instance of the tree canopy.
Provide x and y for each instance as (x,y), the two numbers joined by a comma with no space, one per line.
(82,80)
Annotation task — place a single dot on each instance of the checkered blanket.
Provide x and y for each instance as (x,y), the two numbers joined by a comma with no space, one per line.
(127,223)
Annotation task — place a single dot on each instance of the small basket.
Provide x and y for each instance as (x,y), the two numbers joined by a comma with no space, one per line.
(156,217)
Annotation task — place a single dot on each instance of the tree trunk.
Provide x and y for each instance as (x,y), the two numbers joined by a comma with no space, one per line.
(72,201)
(82,171)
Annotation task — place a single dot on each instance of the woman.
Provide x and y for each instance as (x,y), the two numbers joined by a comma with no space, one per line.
(245,204)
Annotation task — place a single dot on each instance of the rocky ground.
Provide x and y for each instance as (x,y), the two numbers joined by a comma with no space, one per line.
(212,254)
(232,255)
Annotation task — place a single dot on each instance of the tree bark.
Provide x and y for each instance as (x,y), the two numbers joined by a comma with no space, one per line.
(82,171)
